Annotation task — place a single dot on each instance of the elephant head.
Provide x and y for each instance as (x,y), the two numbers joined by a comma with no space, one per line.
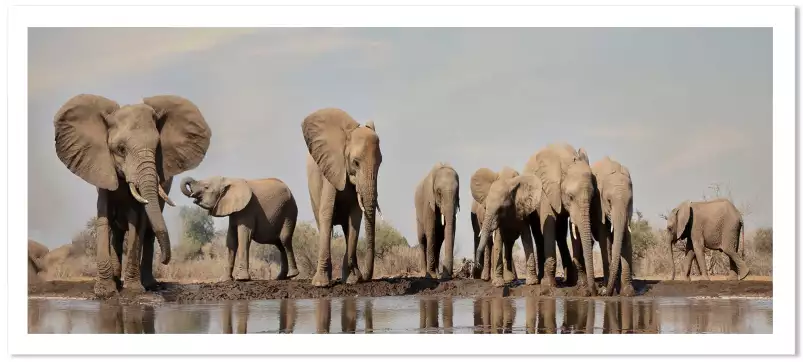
(141,144)
(568,186)
(677,224)
(505,200)
(347,154)
(614,198)
(221,196)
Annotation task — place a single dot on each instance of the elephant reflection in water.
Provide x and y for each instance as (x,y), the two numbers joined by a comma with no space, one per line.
(540,315)
(629,316)
(578,316)
(494,315)
(428,315)
(129,319)
(348,315)
(240,312)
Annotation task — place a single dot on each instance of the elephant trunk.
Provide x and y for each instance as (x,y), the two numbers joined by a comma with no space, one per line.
(449,212)
(671,256)
(148,184)
(186,186)
(488,226)
(367,199)
(587,245)
(619,222)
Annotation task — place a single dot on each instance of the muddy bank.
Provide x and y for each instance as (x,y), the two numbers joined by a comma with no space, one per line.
(301,289)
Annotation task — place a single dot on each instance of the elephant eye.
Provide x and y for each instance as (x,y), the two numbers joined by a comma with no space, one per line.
(120,149)
(356,163)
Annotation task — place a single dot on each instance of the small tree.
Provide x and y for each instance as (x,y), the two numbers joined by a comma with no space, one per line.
(198,228)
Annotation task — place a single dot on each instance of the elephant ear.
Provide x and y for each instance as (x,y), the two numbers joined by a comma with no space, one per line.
(548,169)
(82,139)
(481,182)
(507,173)
(582,154)
(326,133)
(684,215)
(234,197)
(184,135)
(527,189)
(598,199)
(429,187)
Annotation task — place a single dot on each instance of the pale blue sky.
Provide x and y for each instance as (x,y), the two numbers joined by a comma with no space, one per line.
(681,107)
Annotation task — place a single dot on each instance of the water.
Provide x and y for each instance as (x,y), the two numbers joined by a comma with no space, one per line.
(408,315)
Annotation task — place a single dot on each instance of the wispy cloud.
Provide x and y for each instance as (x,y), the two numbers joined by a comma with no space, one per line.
(704,148)
(91,55)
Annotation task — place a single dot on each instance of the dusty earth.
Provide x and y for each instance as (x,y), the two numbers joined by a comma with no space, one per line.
(302,289)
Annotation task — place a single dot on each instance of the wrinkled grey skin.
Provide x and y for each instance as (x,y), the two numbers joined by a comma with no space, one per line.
(714,224)
(130,154)
(262,210)
(36,263)
(342,169)
(437,200)
(482,267)
(509,203)
(568,191)
(611,212)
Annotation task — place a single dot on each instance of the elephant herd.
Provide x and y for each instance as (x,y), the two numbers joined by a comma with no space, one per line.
(131,153)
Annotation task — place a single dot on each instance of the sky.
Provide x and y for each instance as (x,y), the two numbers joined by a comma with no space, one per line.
(682,108)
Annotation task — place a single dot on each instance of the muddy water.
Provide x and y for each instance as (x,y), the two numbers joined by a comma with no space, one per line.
(408,315)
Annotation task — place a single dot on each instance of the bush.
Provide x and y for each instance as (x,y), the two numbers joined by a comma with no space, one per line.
(198,229)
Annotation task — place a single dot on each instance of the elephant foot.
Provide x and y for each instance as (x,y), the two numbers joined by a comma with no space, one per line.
(744,273)
(134,286)
(686,279)
(532,280)
(354,276)
(292,273)
(548,282)
(446,274)
(242,275)
(509,276)
(627,290)
(225,278)
(149,283)
(486,275)
(498,282)
(105,288)
(320,279)
(571,276)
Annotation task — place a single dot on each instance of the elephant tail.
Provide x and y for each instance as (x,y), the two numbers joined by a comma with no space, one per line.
(741,246)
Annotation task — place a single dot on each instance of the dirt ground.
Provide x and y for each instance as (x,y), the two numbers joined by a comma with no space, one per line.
(302,289)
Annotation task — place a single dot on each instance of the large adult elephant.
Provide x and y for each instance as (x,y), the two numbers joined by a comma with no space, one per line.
(713,224)
(611,212)
(131,154)
(568,191)
(437,200)
(508,206)
(342,168)
(482,269)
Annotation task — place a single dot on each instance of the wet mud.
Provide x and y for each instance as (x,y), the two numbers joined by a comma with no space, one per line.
(302,289)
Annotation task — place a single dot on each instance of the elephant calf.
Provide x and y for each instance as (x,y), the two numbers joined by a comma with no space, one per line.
(714,224)
(262,210)
(437,199)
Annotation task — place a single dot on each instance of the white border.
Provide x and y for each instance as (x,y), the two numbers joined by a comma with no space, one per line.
(781,18)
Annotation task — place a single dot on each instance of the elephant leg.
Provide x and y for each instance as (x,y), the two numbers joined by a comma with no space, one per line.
(569,270)
(538,240)
(626,277)
(687,263)
(548,227)
(699,253)
(508,270)
(422,250)
(529,255)
(578,261)
(323,273)
(430,235)
(104,285)
(286,241)
(486,266)
(476,271)
(146,264)
(231,251)
(118,235)
(350,270)
(603,237)
(497,278)
(243,243)
(440,236)
(283,256)
(737,264)
(133,245)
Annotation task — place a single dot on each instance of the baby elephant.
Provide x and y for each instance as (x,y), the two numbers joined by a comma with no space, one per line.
(262,210)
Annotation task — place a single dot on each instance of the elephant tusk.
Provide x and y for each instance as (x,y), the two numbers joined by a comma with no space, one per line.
(359,202)
(443,220)
(136,194)
(163,195)
(379,211)
(571,226)
(628,229)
